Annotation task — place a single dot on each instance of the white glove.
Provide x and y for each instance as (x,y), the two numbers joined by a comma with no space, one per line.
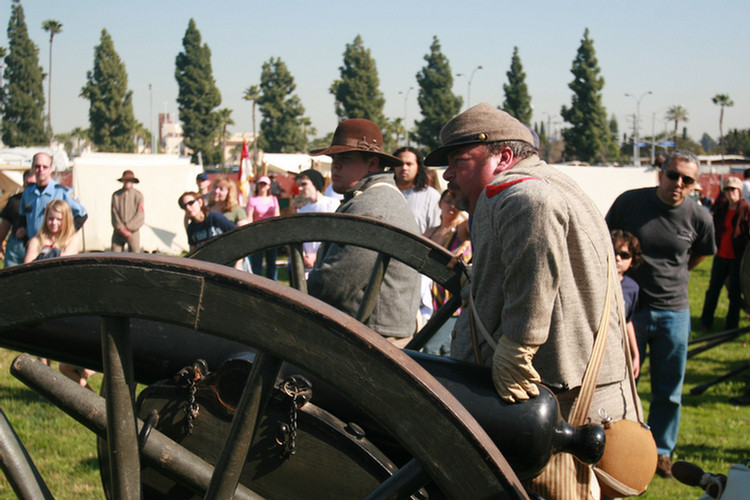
(513,374)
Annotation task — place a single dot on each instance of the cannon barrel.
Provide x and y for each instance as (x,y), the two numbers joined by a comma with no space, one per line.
(527,434)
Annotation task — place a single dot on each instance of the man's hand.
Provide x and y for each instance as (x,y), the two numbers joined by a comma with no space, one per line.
(20,233)
(513,374)
(125,231)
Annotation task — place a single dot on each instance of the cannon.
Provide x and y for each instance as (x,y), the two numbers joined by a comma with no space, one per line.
(256,390)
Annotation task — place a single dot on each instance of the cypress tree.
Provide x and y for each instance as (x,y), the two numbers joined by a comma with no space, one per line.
(517,99)
(588,137)
(198,97)
(357,93)
(23,98)
(436,99)
(282,125)
(111,119)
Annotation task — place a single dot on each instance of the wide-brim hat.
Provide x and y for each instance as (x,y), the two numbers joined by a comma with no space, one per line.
(129,176)
(479,124)
(732,182)
(358,134)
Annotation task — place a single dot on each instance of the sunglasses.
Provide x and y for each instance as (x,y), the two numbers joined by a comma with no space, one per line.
(673,175)
(729,188)
(188,203)
(624,255)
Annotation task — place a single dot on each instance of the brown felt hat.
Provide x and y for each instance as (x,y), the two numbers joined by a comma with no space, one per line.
(358,134)
(128,176)
(479,124)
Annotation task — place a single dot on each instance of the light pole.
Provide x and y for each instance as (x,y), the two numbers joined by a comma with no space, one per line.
(406,114)
(468,95)
(636,146)
(154,148)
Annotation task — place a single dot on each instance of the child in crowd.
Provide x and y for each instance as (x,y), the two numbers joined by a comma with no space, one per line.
(628,256)
(57,236)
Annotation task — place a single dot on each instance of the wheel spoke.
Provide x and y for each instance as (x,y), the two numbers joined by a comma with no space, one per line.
(119,388)
(297,278)
(402,484)
(21,472)
(255,396)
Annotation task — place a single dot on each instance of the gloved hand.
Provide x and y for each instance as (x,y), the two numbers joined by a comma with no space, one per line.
(513,374)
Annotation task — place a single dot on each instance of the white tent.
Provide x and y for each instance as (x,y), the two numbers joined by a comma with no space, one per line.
(282,163)
(163,178)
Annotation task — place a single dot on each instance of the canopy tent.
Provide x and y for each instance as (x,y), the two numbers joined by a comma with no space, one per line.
(282,163)
(163,178)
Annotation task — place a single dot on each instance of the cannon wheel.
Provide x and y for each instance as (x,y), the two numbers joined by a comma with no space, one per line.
(388,241)
(446,443)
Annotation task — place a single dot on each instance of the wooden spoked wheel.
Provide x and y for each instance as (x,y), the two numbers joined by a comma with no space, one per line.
(447,445)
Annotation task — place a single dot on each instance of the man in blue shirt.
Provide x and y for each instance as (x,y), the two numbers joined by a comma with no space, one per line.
(36,197)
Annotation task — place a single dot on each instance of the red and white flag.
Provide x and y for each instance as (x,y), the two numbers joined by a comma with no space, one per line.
(246,173)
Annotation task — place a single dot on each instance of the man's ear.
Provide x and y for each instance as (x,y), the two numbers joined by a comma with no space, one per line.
(373,164)
(505,159)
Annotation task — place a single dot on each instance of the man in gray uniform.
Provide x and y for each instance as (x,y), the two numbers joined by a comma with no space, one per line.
(542,258)
(341,273)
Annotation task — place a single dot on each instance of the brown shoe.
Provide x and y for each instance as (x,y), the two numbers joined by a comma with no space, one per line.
(664,466)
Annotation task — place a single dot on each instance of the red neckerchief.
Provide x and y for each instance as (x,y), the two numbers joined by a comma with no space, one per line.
(496,189)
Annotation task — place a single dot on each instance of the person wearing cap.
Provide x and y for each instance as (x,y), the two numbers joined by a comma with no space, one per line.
(37,196)
(342,273)
(204,185)
(127,214)
(731,215)
(311,184)
(543,265)
(675,235)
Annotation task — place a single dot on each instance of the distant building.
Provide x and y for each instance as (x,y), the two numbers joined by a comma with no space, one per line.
(170,135)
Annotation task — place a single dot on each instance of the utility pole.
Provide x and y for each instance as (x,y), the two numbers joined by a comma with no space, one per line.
(636,138)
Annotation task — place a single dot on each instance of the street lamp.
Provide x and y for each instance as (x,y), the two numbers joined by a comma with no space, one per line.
(406,100)
(636,145)
(468,98)
(151,115)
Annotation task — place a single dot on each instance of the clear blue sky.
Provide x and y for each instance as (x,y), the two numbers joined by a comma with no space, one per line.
(684,51)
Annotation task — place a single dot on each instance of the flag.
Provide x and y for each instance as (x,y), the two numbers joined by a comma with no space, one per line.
(246,172)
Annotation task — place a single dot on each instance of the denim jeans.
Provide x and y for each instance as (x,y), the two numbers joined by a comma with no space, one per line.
(15,251)
(720,271)
(666,334)
(256,262)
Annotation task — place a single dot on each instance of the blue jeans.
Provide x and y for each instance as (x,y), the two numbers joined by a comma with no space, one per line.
(15,251)
(256,262)
(666,334)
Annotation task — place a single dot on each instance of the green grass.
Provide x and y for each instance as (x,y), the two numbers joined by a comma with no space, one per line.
(714,434)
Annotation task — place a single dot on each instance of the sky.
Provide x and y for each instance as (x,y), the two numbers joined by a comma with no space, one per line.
(683,51)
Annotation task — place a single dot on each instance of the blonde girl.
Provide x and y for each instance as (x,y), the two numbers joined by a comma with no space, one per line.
(57,236)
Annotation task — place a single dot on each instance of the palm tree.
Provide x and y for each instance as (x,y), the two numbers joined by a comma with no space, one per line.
(225,119)
(724,101)
(677,114)
(53,28)
(251,94)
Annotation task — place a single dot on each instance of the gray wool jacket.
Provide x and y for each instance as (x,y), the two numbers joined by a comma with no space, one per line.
(540,274)
(341,273)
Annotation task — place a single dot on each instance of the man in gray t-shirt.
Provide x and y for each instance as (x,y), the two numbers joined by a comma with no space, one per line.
(675,237)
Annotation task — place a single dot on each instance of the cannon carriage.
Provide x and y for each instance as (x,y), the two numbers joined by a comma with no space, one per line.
(256,390)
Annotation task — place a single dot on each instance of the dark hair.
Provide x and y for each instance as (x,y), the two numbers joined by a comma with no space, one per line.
(746,173)
(420,181)
(27,173)
(618,235)
(196,196)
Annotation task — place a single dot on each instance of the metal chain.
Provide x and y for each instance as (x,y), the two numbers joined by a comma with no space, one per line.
(298,389)
(191,376)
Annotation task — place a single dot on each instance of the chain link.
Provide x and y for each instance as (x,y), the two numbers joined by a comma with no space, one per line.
(191,376)
(298,389)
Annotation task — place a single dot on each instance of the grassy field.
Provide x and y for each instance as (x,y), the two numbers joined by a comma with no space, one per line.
(714,434)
